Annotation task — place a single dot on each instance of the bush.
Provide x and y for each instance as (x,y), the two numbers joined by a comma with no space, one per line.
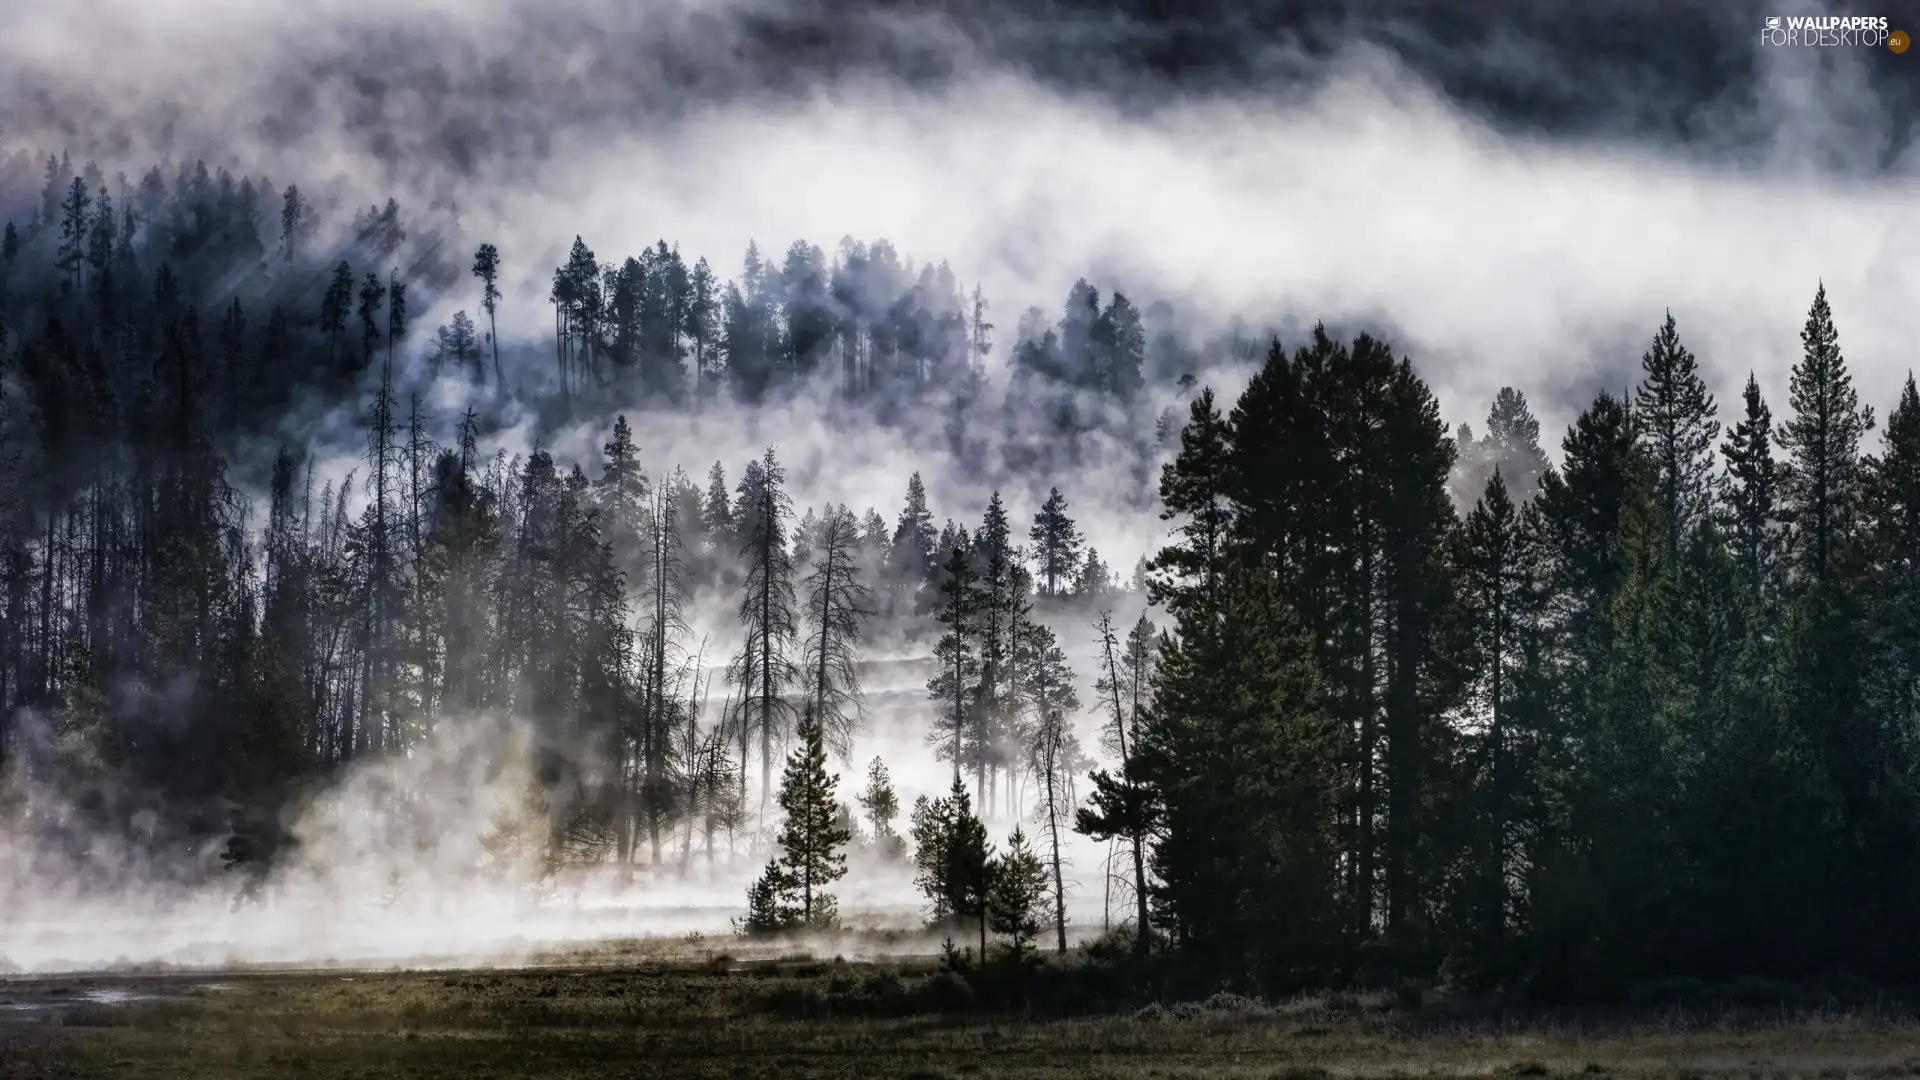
(1683,990)
(1343,1003)
(949,991)
(1765,993)
(1226,1001)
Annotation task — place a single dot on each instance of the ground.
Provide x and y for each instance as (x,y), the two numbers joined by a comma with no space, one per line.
(641,1016)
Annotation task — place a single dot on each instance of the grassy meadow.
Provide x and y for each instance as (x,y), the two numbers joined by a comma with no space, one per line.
(643,1011)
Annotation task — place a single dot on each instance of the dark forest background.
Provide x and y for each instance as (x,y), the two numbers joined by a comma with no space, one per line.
(1410,699)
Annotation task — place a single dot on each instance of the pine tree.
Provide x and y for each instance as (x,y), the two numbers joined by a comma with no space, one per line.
(1677,427)
(294,223)
(716,512)
(372,295)
(701,312)
(335,305)
(1582,505)
(486,267)
(75,224)
(1018,887)
(1820,498)
(458,348)
(769,911)
(914,539)
(1122,805)
(1239,751)
(882,805)
(663,589)
(1056,543)
(954,685)
(764,669)
(396,314)
(1892,502)
(811,841)
(836,610)
(1054,756)
(954,860)
(1504,714)
(1511,445)
(1822,441)
(1752,488)
(1194,490)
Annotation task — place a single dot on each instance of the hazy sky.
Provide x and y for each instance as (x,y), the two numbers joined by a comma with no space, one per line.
(1518,191)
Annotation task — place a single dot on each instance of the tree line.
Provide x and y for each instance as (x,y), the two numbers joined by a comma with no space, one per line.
(1422,703)
(1648,712)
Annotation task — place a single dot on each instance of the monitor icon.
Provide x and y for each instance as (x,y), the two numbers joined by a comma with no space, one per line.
(1773,22)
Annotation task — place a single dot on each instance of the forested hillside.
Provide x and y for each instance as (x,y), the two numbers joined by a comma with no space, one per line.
(1411,699)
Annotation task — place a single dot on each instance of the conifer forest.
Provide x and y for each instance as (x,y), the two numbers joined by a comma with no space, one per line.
(367,546)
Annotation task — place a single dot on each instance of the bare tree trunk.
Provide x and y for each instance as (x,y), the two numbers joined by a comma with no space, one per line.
(1053,827)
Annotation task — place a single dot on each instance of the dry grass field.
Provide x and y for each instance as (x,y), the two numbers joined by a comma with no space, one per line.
(643,1013)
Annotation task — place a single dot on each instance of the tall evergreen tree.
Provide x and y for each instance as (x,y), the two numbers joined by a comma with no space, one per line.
(1056,543)
(335,305)
(1239,750)
(812,843)
(486,267)
(1195,491)
(1677,426)
(1752,491)
(836,609)
(1822,441)
(1017,888)
(954,686)
(765,669)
